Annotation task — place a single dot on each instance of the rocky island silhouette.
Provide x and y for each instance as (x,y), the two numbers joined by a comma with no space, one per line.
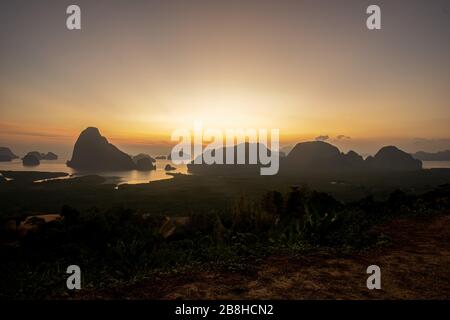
(92,151)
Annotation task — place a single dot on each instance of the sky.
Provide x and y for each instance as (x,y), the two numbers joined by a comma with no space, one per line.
(140,69)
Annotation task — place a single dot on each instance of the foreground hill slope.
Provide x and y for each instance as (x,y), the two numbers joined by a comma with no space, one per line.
(414,266)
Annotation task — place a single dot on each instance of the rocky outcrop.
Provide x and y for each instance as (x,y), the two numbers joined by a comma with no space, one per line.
(92,151)
(5,158)
(35,154)
(168,167)
(42,156)
(145,164)
(143,156)
(50,156)
(30,160)
(6,154)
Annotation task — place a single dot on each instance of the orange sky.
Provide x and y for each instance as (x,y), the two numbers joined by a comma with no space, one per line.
(310,68)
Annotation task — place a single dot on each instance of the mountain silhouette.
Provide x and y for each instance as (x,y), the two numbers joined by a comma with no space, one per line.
(317,157)
(92,151)
(354,160)
(313,156)
(321,156)
(6,154)
(232,168)
(428,156)
(391,158)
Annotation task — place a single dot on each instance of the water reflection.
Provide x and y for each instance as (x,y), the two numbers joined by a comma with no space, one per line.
(119,177)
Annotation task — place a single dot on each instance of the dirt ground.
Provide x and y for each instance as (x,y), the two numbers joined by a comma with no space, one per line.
(416,265)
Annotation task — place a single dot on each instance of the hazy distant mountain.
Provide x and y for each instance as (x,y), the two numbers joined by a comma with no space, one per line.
(428,156)
(392,158)
(6,154)
(93,152)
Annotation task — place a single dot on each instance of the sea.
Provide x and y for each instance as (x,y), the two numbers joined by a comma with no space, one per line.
(122,177)
(134,176)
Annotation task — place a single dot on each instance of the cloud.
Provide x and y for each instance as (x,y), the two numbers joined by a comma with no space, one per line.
(343,137)
(322,138)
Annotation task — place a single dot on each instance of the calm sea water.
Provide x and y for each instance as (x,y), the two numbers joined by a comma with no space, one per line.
(135,176)
(131,176)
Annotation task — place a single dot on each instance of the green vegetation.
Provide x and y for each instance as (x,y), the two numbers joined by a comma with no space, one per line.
(121,245)
(183,193)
